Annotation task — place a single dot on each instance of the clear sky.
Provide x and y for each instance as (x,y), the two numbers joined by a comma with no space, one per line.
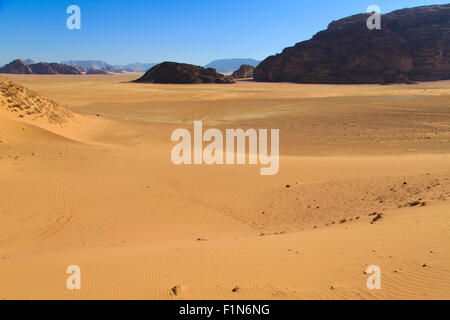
(191,31)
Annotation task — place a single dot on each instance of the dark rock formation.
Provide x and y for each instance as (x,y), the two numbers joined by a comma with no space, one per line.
(172,72)
(244,72)
(64,69)
(16,67)
(20,67)
(412,45)
(42,68)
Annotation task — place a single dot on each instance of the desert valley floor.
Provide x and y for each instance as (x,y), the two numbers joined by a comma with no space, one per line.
(100,191)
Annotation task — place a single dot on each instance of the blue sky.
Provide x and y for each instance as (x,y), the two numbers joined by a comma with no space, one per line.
(191,31)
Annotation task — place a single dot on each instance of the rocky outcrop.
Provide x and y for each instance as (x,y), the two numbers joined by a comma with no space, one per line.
(27,104)
(181,73)
(245,71)
(412,45)
(53,68)
(16,67)
(42,68)
(64,69)
(21,67)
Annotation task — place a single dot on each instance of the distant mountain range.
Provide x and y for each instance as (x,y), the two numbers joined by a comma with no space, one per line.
(231,65)
(21,67)
(138,67)
(101,67)
(222,65)
(88,64)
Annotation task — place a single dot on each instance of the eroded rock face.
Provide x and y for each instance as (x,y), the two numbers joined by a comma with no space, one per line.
(64,69)
(244,72)
(42,68)
(21,67)
(16,67)
(181,73)
(412,45)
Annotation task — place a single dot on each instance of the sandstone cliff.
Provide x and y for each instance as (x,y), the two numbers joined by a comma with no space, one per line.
(412,45)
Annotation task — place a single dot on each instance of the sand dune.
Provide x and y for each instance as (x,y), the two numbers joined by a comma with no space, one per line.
(98,190)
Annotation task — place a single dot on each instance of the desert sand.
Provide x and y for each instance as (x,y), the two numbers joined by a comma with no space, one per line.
(95,187)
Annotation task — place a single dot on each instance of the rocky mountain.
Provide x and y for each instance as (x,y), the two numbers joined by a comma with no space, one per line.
(230,65)
(42,68)
(21,67)
(85,65)
(244,72)
(412,45)
(53,68)
(172,72)
(17,67)
(64,68)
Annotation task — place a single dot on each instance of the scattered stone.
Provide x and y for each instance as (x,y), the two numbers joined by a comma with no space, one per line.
(378,217)
(177,290)
(235,289)
(414,203)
